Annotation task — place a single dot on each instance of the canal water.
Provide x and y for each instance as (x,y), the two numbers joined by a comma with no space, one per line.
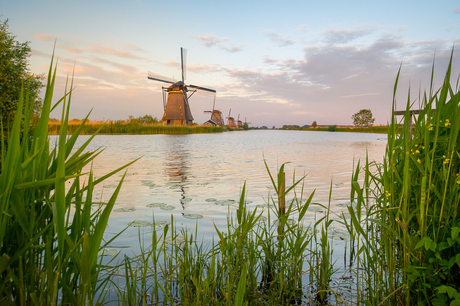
(198,178)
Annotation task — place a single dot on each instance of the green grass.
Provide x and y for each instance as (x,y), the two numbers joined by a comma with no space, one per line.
(372,129)
(134,128)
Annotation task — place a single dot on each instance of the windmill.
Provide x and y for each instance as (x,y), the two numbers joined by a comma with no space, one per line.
(239,123)
(216,115)
(176,106)
(231,120)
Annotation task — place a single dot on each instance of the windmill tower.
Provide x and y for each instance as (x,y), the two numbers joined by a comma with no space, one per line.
(176,106)
(216,115)
(239,123)
(231,120)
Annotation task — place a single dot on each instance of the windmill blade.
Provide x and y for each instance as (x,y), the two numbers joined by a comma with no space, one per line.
(160,78)
(201,88)
(183,62)
(214,104)
(208,112)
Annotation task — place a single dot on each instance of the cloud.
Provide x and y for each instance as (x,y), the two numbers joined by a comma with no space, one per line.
(279,39)
(301,28)
(209,40)
(45,37)
(270,60)
(457,10)
(110,51)
(233,49)
(343,36)
(361,95)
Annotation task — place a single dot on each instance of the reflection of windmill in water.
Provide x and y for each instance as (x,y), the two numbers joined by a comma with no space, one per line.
(231,120)
(176,106)
(177,165)
(216,115)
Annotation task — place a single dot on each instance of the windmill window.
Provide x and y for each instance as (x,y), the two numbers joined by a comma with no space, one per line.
(168,121)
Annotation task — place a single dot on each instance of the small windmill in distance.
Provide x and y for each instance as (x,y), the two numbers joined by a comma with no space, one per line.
(176,106)
(239,123)
(216,116)
(231,120)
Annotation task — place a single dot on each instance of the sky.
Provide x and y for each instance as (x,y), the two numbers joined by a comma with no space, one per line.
(271,62)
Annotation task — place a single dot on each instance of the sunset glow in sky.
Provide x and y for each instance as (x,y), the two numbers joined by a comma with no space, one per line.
(291,62)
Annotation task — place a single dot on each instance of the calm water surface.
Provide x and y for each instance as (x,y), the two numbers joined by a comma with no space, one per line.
(187,171)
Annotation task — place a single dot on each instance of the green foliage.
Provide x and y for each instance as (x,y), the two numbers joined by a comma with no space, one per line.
(49,235)
(118,127)
(411,234)
(314,124)
(332,128)
(363,118)
(14,75)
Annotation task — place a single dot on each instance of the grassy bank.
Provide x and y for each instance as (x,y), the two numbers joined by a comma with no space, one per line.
(334,128)
(115,127)
(401,222)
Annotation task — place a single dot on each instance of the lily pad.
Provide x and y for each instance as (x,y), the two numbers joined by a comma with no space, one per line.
(315,209)
(168,207)
(157,205)
(140,223)
(110,186)
(178,240)
(186,199)
(131,174)
(192,216)
(340,234)
(211,200)
(225,202)
(124,209)
(262,219)
(290,222)
(108,252)
(263,205)
(161,223)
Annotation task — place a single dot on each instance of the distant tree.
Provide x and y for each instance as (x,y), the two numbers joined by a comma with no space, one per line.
(363,118)
(14,74)
(245,126)
(314,124)
(273,128)
(332,128)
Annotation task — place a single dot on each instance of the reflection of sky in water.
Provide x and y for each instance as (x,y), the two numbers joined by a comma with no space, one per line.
(183,171)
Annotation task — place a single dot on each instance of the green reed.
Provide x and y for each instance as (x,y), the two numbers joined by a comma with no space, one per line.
(408,242)
(49,237)
(112,127)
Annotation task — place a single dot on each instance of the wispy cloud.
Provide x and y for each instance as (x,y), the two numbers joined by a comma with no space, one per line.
(301,28)
(361,95)
(279,39)
(343,36)
(209,40)
(45,37)
(457,10)
(110,51)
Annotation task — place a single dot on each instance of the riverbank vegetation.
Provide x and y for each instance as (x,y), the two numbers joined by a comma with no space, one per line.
(141,125)
(401,222)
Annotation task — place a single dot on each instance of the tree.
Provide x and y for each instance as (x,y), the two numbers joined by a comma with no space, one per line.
(363,118)
(14,74)
(314,124)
